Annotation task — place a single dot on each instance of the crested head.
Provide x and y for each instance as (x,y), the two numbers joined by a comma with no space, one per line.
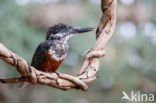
(58,28)
(64,32)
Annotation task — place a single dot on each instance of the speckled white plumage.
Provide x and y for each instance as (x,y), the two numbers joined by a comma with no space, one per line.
(59,48)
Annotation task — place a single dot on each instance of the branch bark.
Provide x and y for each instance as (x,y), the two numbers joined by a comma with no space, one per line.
(89,68)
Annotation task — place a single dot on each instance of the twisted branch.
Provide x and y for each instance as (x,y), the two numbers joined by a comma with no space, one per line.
(62,81)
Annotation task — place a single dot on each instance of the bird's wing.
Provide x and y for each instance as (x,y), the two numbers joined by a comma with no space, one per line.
(39,55)
(38,59)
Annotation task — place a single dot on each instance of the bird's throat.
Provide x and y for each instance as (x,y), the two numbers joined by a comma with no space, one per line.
(59,50)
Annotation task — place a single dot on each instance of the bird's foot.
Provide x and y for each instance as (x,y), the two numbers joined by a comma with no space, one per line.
(57,73)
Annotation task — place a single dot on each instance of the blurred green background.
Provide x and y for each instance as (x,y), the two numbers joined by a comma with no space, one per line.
(129,65)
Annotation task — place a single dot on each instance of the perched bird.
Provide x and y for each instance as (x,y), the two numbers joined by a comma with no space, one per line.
(50,53)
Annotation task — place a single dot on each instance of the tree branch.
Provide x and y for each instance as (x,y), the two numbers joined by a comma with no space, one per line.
(62,81)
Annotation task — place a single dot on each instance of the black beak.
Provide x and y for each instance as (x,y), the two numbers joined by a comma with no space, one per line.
(75,30)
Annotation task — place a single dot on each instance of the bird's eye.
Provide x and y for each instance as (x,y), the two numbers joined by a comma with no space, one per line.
(59,38)
(52,37)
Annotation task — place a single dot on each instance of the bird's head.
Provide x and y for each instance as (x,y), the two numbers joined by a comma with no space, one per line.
(64,32)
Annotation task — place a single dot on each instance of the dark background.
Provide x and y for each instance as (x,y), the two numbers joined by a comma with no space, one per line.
(129,65)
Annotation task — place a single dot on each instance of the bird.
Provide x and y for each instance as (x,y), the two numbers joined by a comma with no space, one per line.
(50,54)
